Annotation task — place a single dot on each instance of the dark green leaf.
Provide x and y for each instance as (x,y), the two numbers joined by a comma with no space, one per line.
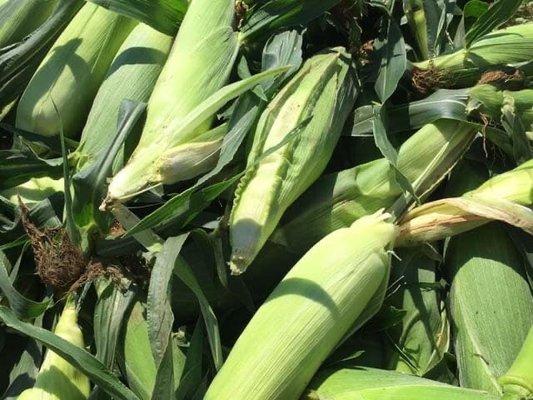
(275,15)
(392,61)
(90,182)
(499,12)
(192,371)
(109,313)
(23,307)
(159,312)
(17,167)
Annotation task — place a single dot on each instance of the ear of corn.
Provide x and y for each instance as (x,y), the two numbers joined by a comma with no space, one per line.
(20,18)
(374,384)
(324,90)
(511,45)
(518,380)
(448,217)
(199,65)
(132,75)
(34,190)
(422,338)
(61,91)
(337,200)
(57,379)
(491,305)
(328,292)
(488,100)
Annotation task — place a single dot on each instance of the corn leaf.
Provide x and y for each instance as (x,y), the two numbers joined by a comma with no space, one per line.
(391,58)
(277,14)
(497,14)
(23,307)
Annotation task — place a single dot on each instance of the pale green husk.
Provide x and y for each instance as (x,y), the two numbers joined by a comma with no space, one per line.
(198,66)
(518,380)
(132,76)
(422,338)
(508,46)
(57,379)
(505,197)
(491,304)
(19,18)
(60,93)
(337,200)
(333,289)
(34,190)
(361,383)
(324,90)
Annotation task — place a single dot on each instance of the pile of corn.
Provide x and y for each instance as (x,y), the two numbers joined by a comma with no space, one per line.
(266,200)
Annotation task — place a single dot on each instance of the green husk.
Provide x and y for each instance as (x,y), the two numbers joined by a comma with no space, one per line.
(374,384)
(132,75)
(421,340)
(61,91)
(19,18)
(323,90)
(198,66)
(491,304)
(506,197)
(338,285)
(34,190)
(517,383)
(57,379)
(136,359)
(509,46)
(489,101)
(337,200)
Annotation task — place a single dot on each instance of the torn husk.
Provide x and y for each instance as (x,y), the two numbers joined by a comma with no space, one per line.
(506,197)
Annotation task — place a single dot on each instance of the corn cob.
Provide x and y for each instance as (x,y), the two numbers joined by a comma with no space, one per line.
(323,89)
(132,75)
(375,384)
(488,280)
(517,383)
(20,18)
(337,200)
(488,100)
(447,217)
(199,64)
(508,46)
(61,91)
(335,287)
(422,338)
(34,190)
(57,379)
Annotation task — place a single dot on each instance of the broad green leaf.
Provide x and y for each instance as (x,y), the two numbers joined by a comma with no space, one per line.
(499,12)
(23,307)
(159,312)
(391,59)
(183,271)
(89,183)
(109,313)
(274,15)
